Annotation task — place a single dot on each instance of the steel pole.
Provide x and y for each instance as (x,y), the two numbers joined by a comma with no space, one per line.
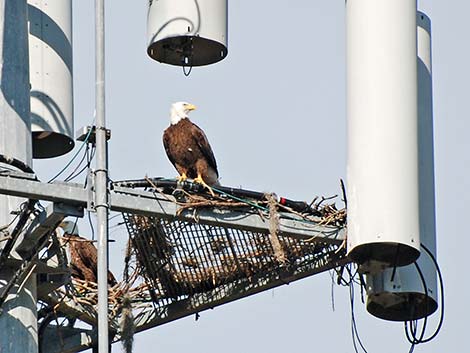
(18,320)
(101,181)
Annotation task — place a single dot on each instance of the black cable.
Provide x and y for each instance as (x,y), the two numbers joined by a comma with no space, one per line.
(354,331)
(412,338)
(112,217)
(441,287)
(27,208)
(78,174)
(411,327)
(75,225)
(71,175)
(85,143)
(353,337)
(91,225)
(187,73)
(362,284)
(190,62)
(16,163)
(394,271)
(6,226)
(332,290)
(412,347)
(6,169)
(299,206)
(28,261)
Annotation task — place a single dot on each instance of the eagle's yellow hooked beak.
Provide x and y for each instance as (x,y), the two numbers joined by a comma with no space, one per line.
(190,107)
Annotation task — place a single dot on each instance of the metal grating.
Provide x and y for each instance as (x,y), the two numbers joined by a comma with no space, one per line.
(179,259)
(190,251)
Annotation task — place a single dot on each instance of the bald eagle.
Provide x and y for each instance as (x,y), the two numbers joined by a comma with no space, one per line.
(188,149)
(82,255)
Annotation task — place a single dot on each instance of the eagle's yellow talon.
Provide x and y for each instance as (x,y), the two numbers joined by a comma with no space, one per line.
(201,181)
(182,178)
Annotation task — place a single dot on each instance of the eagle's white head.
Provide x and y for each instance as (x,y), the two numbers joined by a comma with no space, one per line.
(180,110)
(69,227)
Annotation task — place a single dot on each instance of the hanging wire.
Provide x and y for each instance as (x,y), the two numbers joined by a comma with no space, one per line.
(118,224)
(115,216)
(441,287)
(354,332)
(188,60)
(411,327)
(79,165)
(79,169)
(186,71)
(85,142)
(26,208)
(91,225)
(6,226)
(346,276)
(87,166)
(332,293)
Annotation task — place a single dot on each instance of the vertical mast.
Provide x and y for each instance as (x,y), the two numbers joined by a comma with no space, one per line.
(101,181)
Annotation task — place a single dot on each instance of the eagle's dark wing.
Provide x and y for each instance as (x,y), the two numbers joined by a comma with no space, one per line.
(88,254)
(80,261)
(88,257)
(200,137)
(166,144)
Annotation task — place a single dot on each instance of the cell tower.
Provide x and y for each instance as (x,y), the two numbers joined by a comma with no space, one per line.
(190,250)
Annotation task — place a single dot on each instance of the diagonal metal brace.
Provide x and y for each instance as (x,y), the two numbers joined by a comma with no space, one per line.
(44,223)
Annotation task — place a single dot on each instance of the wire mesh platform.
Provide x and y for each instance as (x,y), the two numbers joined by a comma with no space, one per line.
(196,264)
(188,251)
(180,259)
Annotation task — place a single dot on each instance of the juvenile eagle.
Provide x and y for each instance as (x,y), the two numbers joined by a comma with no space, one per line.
(188,149)
(82,255)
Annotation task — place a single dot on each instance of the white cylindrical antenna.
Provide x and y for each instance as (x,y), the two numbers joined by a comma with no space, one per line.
(50,49)
(399,295)
(187,32)
(382,170)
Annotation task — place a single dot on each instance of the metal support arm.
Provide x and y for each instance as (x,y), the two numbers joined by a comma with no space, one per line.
(147,203)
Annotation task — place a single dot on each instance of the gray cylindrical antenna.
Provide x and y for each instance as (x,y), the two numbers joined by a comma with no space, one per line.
(18,317)
(382,170)
(187,32)
(399,294)
(51,72)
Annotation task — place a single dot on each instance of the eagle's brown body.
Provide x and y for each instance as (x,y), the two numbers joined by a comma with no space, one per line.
(188,149)
(84,259)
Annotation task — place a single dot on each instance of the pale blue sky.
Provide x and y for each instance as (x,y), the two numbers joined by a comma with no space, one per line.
(274,112)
